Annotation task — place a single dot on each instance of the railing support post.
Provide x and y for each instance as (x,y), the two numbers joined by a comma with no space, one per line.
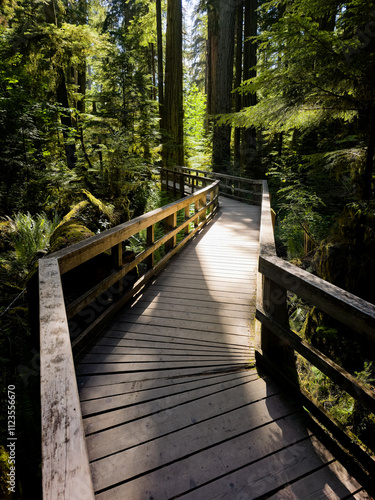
(187,214)
(182,184)
(169,224)
(279,353)
(150,260)
(174,183)
(116,254)
(273,301)
(202,203)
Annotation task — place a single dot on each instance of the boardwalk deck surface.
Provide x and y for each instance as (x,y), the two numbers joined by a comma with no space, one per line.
(172,404)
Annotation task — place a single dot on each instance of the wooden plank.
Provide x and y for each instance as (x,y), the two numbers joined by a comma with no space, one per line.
(163,303)
(146,386)
(361,495)
(133,346)
(262,476)
(348,447)
(185,324)
(95,368)
(156,353)
(192,315)
(165,397)
(65,467)
(229,286)
(183,269)
(134,377)
(354,312)
(175,336)
(150,455)
(172,403)
(164,299)
(214,296)
(106,358)
(118,330)
(332,481)
(220,277)
(192,472)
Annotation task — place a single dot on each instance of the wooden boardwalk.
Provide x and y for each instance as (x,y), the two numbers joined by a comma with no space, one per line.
(172,404)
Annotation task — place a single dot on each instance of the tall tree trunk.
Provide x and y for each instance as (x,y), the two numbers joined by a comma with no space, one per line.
(237,83)
(249,145)
(66,119)
(221,157)
(173,149)
(211,59)
(152,70)
(160,62)
(62,94)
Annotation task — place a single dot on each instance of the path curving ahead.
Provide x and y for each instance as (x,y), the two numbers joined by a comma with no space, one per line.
(172,404)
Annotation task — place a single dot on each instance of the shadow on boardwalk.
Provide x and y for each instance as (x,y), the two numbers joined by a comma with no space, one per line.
(172,405)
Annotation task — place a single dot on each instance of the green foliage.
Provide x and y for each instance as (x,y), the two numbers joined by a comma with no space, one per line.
(30,234)
(343,408)
(305,206)
(197,149)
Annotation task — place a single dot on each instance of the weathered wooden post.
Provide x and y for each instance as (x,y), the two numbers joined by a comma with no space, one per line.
(150,240)
(116,254)
(174,183)
(169,224)
(182,184)
(187,214)
(202,203)
(272,352)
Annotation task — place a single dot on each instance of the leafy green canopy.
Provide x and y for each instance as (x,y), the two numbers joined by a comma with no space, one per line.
(309,73)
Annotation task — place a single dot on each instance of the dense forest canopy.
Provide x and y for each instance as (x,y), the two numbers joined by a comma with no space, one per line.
(96,95)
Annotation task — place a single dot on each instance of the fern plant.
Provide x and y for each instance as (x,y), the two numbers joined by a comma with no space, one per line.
(30,234)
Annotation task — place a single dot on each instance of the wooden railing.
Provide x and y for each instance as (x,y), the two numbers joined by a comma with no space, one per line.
(277,344)
(65,466)
(181,179)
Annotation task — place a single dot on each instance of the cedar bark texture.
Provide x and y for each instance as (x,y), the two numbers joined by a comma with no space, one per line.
(173,149)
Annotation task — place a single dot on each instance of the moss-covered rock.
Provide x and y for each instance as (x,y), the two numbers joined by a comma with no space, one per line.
(5,239)
(67,233)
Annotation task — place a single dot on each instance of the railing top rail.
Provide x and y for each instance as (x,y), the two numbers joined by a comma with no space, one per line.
(354,312)
(266,234)
(65,465)
(201,177)
(224,176)
(82,251)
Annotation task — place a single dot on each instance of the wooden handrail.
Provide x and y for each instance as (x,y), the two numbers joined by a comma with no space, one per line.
(230,185)
(275,278)
(65,466)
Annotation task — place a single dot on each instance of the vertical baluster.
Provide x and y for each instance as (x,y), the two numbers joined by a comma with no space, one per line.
(169,224)
(150,260)
(187,214)
(116,254)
